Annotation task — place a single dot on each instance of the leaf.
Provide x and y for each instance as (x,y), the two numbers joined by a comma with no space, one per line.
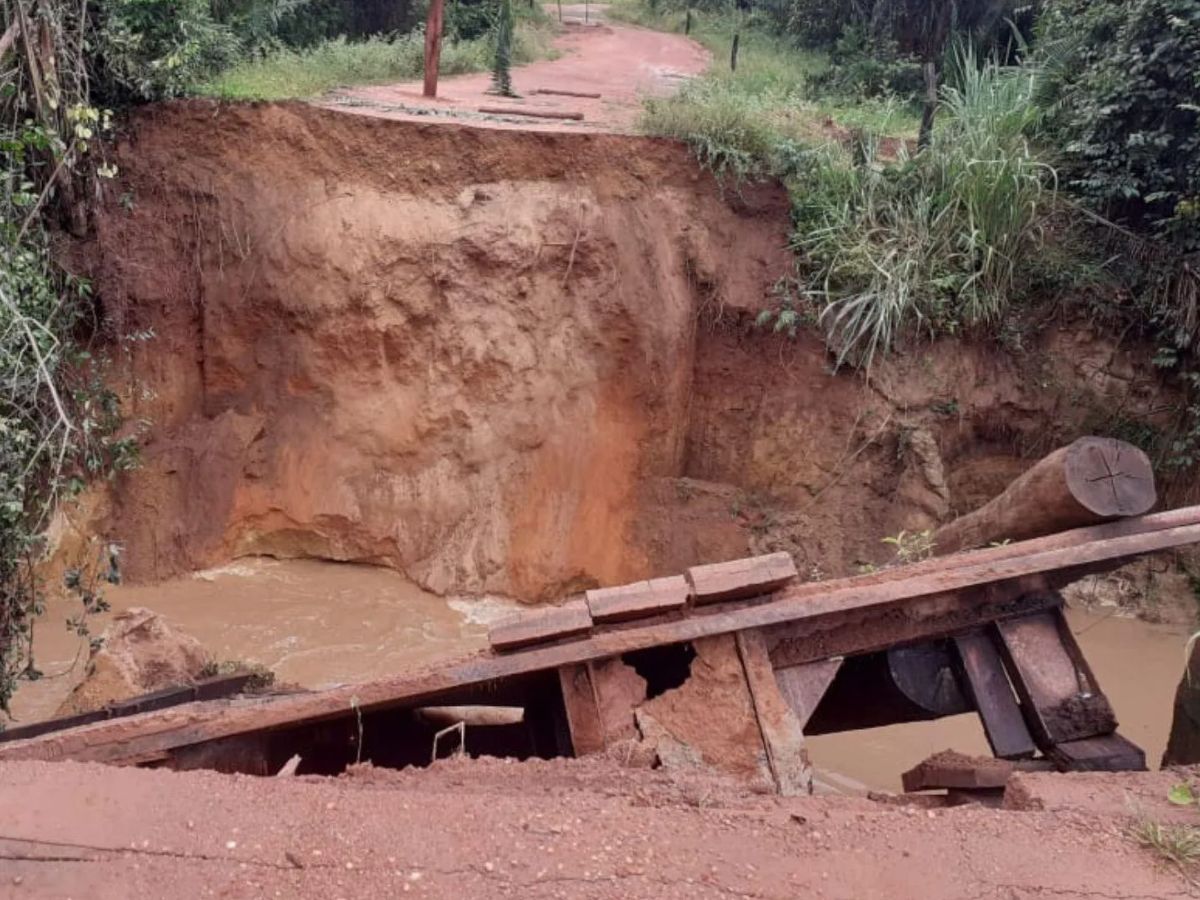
(1181,795)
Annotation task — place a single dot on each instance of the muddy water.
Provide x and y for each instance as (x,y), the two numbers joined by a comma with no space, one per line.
(312,623)
(1137,664)
(317,623)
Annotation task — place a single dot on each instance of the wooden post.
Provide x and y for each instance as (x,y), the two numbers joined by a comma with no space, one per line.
(782,734)
(929,110)
(433,45)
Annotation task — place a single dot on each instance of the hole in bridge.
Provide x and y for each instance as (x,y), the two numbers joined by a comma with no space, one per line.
(663,668)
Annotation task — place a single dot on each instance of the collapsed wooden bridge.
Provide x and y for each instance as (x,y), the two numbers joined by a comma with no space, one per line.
(980,630)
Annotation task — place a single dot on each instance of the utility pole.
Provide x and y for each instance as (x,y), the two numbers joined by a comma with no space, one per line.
(433,45)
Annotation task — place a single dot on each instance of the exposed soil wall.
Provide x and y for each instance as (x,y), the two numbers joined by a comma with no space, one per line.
(515,363)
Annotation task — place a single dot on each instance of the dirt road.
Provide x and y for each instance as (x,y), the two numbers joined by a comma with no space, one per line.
(575,829)
(619,62)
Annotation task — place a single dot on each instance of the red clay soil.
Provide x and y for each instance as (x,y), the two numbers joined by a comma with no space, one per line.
(621,63)
(567,828)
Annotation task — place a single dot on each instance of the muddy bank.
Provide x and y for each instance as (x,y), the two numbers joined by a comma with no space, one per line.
(518,364)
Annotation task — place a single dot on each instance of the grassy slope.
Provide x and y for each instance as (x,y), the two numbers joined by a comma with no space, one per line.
(300,74)
(767,98)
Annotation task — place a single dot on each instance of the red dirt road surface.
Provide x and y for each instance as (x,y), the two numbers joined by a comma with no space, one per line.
(586,829)
(620,62)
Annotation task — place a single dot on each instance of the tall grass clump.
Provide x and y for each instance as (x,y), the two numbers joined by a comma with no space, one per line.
(931,242)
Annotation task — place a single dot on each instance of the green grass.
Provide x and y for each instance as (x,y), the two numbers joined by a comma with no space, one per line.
(892,242)
(300,74)
(1177,844)
(737,119)
(935,243)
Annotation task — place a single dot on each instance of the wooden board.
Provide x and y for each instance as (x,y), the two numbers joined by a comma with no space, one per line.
(828,619)
(741,577)
(1110,753)
(1003,723)
(204,689)
(781,730)
(583,710)
(944,771)
(639,600)
(540,626)
(803,686)
(1061,699)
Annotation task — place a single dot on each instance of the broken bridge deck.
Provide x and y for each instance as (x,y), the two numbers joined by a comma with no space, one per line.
(802,631)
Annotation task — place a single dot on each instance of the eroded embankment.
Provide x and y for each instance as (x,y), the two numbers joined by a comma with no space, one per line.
(515,363)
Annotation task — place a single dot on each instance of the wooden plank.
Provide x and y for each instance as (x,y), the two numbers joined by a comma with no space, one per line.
(935,617)
(917,607)
(1062,701)
(1109,753)
(533,113)
(1175,518)
(780,728)
(539,626)
(948,769)
(204,689)
(639,600)
(740,578)
(1006,730)
(803,686)
(583,710)
(561,93)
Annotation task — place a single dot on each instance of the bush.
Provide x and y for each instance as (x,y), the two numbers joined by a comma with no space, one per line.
(1123,84)
(934,242)
(155,49)
(861,67)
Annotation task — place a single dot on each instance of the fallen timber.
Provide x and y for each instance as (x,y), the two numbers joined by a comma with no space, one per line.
(812,635)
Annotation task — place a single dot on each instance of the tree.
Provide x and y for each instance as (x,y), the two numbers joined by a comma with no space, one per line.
(502,65)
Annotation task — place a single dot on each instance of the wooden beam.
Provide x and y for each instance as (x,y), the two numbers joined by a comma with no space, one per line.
(637,601)
(532,113)
(918,607)
(781,730)
(540,625)
(1060,696)
(1091,480)
(583,710)
(949,769)
(739,578)
(804,685)
(433,45)
(561,93)
(1110,753)
(1006,730)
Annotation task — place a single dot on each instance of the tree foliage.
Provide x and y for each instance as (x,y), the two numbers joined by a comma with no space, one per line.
(1123,84)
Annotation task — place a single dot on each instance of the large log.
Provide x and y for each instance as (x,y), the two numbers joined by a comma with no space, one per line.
(1090,481)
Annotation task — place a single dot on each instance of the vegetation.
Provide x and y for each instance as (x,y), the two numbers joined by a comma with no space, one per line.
(751,122)
(503,58)
(935,242)
(286,73)
(58,422)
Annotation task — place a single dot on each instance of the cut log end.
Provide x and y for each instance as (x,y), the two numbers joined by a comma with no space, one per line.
(1110,477)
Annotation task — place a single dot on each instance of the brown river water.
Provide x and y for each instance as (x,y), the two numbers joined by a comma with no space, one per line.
(320,623)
